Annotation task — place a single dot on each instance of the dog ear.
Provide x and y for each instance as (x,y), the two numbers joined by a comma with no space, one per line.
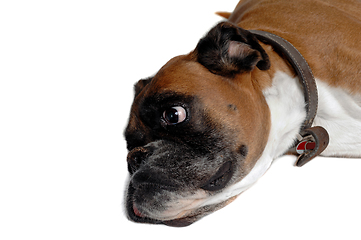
(138,87)
(228,50)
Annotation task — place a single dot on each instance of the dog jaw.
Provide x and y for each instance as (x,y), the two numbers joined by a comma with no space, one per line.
(184,211)
(164,189)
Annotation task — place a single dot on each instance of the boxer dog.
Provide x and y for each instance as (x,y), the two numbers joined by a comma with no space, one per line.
(209,124)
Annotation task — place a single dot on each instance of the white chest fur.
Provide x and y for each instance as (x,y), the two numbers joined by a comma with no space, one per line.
(340,114)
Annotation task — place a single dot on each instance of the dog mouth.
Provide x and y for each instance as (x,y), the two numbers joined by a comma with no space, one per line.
(184,217)
(137,216)
(132,211)
(214,184)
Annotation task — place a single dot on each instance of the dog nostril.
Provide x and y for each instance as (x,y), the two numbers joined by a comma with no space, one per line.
(135,158)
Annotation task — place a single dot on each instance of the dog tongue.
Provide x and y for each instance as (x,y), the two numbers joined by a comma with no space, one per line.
(136,211)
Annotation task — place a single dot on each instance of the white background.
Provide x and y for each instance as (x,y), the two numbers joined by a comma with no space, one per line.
(67,70)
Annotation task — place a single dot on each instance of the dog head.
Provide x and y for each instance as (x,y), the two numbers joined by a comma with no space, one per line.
(197,129)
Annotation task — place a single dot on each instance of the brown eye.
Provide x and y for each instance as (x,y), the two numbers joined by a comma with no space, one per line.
(174,115)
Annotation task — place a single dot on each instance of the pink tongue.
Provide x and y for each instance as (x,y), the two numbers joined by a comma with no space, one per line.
(136,211)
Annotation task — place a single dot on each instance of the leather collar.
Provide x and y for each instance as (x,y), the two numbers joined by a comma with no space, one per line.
(316,138)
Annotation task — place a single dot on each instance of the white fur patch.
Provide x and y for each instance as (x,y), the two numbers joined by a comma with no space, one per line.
(340,114)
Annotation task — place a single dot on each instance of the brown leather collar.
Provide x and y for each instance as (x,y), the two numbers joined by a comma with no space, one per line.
(316,137)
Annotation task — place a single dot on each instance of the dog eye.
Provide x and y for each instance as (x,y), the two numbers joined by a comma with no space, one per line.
(174,115)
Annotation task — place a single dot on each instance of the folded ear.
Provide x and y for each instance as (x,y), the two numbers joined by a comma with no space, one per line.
(228,50)
(138,87)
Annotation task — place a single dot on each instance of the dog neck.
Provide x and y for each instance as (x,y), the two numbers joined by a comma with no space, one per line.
(300,66)
(315,136)
(287,106)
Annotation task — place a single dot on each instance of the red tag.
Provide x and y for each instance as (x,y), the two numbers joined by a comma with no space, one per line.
(305,146)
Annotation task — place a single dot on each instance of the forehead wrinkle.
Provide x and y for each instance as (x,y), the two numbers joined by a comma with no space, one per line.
(181,75)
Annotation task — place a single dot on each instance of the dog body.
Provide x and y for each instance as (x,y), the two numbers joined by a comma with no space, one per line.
(326,33)
(209,124)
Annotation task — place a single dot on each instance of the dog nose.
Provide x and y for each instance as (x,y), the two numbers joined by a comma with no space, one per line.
(136,157)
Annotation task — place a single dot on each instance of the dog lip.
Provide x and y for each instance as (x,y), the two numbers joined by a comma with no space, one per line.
(136,211)
(220,179)
(180,222)
(135,215)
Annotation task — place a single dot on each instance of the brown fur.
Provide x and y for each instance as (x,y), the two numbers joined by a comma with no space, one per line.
(183,75)
(330,44)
